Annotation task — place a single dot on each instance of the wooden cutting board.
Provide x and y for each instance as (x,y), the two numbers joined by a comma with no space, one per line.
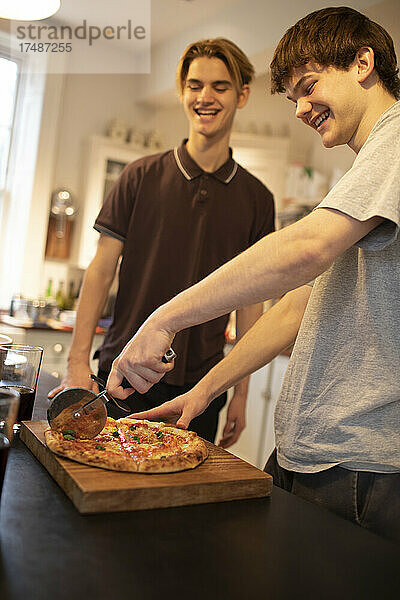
(221,477)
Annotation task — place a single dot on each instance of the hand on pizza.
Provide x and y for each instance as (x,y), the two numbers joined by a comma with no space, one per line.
(180,411)
(78,375)
(132,445)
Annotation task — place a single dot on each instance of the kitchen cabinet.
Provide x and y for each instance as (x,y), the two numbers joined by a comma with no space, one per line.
(105,160)
(55,344)
(258,439)
(266,157)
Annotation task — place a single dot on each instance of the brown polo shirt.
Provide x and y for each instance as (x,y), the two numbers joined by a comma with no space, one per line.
(178,223)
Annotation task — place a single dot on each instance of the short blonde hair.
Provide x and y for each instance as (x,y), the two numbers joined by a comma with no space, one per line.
(240,68)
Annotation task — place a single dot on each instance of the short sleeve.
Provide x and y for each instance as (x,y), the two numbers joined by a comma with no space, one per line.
(372,186)
(115,214)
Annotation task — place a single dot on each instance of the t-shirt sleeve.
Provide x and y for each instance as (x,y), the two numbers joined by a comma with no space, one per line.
(372,186)
(115,214)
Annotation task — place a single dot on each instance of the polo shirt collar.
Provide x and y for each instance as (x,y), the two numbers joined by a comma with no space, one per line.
(190,169)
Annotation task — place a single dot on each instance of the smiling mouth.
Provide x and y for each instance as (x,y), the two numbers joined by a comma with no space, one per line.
(206,112)
(321,119)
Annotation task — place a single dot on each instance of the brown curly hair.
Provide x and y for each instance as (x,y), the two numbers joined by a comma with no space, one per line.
(332,37)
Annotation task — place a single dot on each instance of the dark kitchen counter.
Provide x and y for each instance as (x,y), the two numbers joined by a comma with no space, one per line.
(276,548)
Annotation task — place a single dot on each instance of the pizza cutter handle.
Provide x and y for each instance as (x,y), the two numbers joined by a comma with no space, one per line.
(168,356)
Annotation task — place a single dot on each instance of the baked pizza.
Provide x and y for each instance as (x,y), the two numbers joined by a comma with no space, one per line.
(132,445)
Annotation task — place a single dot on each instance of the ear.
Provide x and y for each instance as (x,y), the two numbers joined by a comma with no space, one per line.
(365,61)
(243,96)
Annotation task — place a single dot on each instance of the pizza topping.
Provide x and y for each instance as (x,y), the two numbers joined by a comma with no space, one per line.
(69,432)
(99,447)
(115,434)
(132,427)
(68,436)
(159,434)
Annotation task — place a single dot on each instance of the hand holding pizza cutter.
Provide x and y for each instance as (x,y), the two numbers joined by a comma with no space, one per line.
(80,413)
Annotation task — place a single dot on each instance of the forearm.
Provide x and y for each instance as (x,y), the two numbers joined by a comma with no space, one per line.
(94,291)
(272,333)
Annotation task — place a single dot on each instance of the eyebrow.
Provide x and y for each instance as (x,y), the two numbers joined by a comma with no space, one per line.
(299,84)
(217,82)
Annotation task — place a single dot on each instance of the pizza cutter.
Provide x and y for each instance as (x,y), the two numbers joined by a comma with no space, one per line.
(81,413)
(78,412)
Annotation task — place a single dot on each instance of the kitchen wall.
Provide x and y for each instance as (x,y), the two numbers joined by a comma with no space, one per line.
(88,104)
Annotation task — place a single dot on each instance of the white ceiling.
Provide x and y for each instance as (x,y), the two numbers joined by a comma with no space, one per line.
(168,17)
(171,18)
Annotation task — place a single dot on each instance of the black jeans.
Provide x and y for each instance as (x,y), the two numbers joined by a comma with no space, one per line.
(371,500)
(205,425)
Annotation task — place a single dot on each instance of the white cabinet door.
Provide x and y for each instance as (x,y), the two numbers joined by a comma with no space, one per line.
(56,346)
(265,157)
(258,440)
(105,160)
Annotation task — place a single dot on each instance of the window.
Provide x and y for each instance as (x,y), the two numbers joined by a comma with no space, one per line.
(21,102)
(8,85)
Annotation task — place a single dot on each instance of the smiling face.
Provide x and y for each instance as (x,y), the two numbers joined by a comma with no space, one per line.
(331,101)
(210,98)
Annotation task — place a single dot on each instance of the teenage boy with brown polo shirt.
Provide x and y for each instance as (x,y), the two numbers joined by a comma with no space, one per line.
(174,217)
(337,421)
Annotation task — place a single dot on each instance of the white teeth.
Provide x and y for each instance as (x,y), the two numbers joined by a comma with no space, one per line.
(205,112)
(321,118)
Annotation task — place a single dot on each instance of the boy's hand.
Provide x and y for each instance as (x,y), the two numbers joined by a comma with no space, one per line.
(140,362)
(180,411)
(76,376)
(235,420)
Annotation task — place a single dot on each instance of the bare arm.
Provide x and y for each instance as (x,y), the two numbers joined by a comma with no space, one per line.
(278,263)
(96,285)
(236,413)
(274,331)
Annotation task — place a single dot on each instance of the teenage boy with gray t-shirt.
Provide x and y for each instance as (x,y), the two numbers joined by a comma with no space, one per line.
(338,417)
(340,399)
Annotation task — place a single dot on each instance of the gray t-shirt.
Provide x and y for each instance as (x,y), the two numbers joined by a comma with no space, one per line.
(340,401)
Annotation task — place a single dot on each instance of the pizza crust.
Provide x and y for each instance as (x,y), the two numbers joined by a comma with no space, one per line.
(178,449)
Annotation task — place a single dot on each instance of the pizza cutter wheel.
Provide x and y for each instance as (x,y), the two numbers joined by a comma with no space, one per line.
(67,415)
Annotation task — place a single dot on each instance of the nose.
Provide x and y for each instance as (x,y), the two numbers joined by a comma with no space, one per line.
(205,94)
(303,106)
